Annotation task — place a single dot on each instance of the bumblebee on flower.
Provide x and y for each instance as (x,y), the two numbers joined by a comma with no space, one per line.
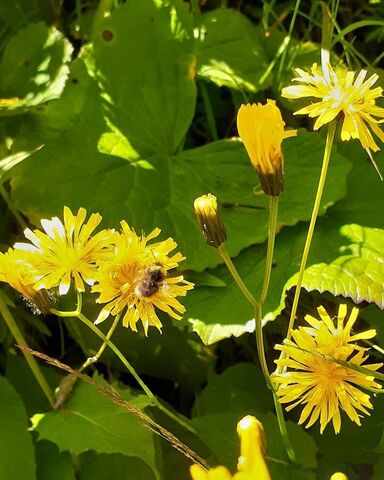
(135,280)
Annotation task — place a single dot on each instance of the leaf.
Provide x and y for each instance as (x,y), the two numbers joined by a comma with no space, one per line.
(90,421)
(112,467)
(53,464)
(229,51)
(161,190)
(247,388)
(144,60)
(33,68)
(25,384)
(219,432)
(7,163)
(15,440)
(358,273)
(352,269)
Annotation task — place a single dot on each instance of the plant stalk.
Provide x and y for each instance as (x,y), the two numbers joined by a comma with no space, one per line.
(19,337)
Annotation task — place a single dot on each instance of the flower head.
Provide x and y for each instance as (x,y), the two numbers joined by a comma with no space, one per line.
(339,476)
(210,221)
(16,269)
(261,128)
(67,251)
(135,280)
(340,93)
(318,382)
(251,462)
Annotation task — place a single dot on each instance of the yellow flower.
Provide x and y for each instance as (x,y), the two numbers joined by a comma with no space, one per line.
(261,128)
(67,250)
(340,93)
(339,476)
(135,280)
(332,336)
(319,383)
(16,269)
(210,222)
(251,464)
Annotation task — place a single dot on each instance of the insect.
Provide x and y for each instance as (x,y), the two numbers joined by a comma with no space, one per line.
(151,281)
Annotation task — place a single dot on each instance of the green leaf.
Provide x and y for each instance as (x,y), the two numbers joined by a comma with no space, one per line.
(7,163)
(144,61)
(33,67)
(53,464)
(161,190)
(112,467)
(247,388)
(378,470)
(352,268)
(230,51)
(358,271)
(17,452)
(90,421)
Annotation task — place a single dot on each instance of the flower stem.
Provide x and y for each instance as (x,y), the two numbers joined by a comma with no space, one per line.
(96,357)
(19,337)
(272,225)
(133,372)
(311,228)
(232,269)
(283,429)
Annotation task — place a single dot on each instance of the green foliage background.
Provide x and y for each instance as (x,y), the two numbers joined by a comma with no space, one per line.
(132,114)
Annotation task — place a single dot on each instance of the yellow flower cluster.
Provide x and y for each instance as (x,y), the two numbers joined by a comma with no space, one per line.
(129,273)
(315,379)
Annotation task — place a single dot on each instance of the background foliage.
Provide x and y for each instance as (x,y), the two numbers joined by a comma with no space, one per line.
(128,109)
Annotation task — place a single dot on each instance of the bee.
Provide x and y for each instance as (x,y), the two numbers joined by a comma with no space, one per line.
(150,281)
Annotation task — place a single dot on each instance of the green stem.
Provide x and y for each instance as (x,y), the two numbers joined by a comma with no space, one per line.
(272,226)
(232,269)
(18,336)
(96,357)
(289,37)
(20,220)
(273,211)
(133,372)
(312,223)
(283,429)
(73,313)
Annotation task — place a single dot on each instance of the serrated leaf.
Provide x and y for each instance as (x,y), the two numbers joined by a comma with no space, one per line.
(352,268)
(358,273)
(144,61)
(90,421)
(33,68)
(229,51)
(15,440)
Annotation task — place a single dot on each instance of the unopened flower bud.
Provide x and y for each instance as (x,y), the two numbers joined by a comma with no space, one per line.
(210,222)
(261,128)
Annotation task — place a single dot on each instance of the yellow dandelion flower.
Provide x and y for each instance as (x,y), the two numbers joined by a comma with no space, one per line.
(16,269)
(261,128)
(332,336)
(135,280)
(320,384)
(340,93)
(251,463)
(67,250)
